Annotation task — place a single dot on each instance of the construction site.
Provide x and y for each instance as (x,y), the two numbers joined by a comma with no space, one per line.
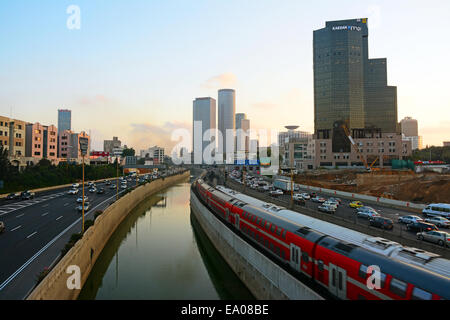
(406,185)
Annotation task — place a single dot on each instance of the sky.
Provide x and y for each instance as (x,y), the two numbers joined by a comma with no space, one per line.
(134,67)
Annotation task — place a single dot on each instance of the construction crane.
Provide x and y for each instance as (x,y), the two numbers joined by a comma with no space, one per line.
(347,133)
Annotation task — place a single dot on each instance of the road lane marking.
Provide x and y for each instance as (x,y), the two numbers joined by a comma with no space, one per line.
(20,215)
(16,228)
(37,254)
(45,205)
(65,205)
(59,218)
(31,235)
(44,214)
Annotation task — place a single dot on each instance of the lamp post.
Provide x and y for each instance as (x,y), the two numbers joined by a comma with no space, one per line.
(117,178)
(84,142)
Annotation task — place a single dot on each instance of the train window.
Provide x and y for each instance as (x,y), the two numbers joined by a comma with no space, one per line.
(271,246)
(419,294)
(258,220)
(283,255)
(273,228)
(334,277)
(279,231)
(277,251)
(398,287)
(305,256)
(363,272)
(284,234)
(262,222)
(267,243)
(268,226)
(340,280)
(383,279)
(320,265)
(254,218)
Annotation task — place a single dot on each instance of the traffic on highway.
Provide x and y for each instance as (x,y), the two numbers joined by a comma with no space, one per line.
(33,231)
(429,228)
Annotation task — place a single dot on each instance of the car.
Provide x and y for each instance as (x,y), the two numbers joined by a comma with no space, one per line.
(306,196)
(113,186)
(366,209)
(108,182)
(367,214)
(275,193)
(421,226)
(331,204)
(439,237)
(27,195)
(318,200)
(440,222)
(327,208)
(123,186)
(80,199)
(100,191)
(93,189)
(356,204)
(2,227)
(73,191)
(298,199)
(381,222)
(87,206)
(13,196)
(75,185)
(409,219)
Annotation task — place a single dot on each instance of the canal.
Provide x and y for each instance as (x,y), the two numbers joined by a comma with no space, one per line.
(160,252)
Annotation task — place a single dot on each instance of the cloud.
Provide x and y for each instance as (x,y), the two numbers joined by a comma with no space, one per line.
(99,98)
(224,80)
(145,135)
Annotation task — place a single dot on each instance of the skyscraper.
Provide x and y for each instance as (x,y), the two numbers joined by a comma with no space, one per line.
(226,120)
(64,120)
(204,119)
(349,87)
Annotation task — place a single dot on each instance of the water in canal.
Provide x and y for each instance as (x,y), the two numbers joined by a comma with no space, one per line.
(160,252)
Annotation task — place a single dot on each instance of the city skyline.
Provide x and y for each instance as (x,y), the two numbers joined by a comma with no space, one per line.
(270,67)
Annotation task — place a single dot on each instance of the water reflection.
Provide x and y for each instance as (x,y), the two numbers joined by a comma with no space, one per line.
(156,253)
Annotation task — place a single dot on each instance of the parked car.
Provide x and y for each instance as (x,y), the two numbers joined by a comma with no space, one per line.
(2,227)
(356,204)
(80,199)
(100,191)
(13,196)
(298,199)
(87,206)
(327,208)
(72,191)
(381,222)
(367,214)
(409,219)
(440,237)
(318,199)
(440,222)
(421,226)
(27,195)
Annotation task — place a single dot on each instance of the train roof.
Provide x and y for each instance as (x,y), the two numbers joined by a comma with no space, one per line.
(420,258)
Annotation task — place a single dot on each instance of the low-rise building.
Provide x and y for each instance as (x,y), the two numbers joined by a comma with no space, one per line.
(41,142)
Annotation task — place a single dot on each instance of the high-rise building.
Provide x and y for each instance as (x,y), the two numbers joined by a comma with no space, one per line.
(227,121)
(204,127)
(64,120)
(350,88)
(410,130)
(242,133)
(156,154)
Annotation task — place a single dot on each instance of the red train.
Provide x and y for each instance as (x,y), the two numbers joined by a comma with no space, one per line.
(339,267)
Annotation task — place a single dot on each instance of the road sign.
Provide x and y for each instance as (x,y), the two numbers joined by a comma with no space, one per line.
(84,142)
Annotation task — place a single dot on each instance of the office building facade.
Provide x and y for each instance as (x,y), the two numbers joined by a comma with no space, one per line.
(227,122)
(110,145)
(64,120)
(204,127)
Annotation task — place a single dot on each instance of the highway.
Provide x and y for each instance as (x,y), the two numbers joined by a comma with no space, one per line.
(345,213)
(36,232)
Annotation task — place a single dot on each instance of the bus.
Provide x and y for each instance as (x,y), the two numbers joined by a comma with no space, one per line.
(437,209)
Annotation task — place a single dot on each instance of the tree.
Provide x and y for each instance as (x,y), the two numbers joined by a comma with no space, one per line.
(128,152)
(4,163)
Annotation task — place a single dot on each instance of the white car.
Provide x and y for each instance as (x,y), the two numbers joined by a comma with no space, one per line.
(276,193)
(73,191)
(76,185)
(409,219)
(80,199)
(306,196)
(330,204)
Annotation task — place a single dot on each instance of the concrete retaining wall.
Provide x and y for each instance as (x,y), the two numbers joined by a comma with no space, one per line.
(86,251)
(265,279)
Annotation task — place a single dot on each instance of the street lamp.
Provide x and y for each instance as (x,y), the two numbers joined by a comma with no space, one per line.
(84,142)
